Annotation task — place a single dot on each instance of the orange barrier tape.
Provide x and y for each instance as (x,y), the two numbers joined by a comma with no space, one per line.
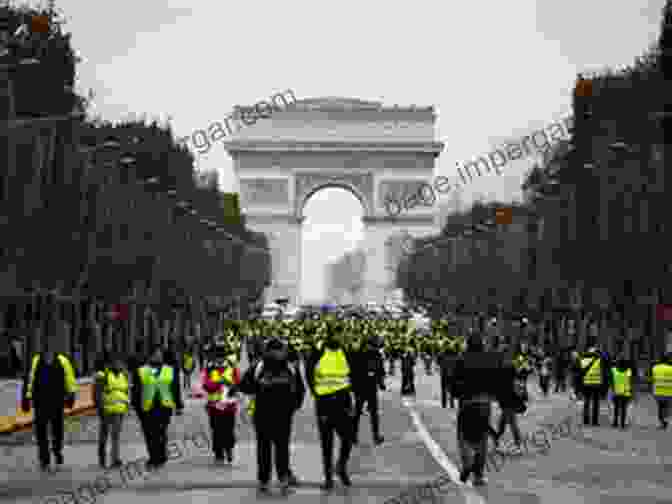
(22,421)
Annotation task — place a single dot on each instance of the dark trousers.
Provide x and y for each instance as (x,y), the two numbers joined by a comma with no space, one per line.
(273,436)
(156,423)
(591,400)
(334,414)
(447,391)
(407,380)
(44,419)
(544,382)
(509,417)
(560,382)
(223,434)
(473,427)
(620,410)
(370,398)
(664,405)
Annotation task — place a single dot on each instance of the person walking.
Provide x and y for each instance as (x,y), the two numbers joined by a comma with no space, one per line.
(112,402)
(560,370)
(188,366)
(50,385)
(369,376)
(155,394)
(477,382)
(595,377)
(622,387)
(408,359)
(545,373)
(447,366)
(512,400)
(329,378)
(278,393)
(219,381)
(661,374)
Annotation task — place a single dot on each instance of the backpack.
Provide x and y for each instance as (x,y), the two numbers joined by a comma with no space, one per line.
(267,382)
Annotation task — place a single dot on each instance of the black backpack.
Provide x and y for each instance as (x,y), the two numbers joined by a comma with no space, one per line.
(268,380)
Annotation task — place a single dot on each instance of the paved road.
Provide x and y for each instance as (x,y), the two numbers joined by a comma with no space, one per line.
(589,468)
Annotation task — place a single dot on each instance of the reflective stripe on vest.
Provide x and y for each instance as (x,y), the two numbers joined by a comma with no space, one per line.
(151,386)
(662,380)
(622,383)
(332,373)
(115,395)
(226,379)
(594,374)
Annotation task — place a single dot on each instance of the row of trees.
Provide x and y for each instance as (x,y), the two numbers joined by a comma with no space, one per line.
(589,239)
(101,219)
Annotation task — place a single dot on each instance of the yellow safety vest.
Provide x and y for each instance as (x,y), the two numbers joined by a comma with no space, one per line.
(70,381)
(332,373)
(188,362)
(594,374)
(662,380)
(622,382)
(115,393)
(161,385)
(226,378)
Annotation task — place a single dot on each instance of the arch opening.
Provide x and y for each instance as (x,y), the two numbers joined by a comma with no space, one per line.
(332,231)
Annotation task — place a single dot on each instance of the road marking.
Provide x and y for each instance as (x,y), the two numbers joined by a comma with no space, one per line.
(470,495)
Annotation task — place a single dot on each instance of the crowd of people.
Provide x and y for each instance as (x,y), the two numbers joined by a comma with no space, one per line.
(341,363)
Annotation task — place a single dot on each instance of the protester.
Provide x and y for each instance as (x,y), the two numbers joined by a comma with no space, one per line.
(50,385)
(112,402)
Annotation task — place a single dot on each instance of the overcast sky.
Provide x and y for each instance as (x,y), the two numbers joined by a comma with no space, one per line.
(493,70)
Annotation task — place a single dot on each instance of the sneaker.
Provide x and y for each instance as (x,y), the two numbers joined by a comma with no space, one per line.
(328,485)
(293,480)
(378,440)
(264,488)
(229,456)
(464,476)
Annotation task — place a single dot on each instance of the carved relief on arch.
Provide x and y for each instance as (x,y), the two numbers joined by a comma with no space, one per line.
(359,183)
(264,192)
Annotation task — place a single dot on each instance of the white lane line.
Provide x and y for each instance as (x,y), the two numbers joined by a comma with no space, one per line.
(470,495)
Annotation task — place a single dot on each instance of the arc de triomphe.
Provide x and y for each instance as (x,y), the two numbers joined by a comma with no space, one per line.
(364,147)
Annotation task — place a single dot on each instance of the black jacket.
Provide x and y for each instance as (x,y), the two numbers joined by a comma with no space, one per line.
(314,360)
(271,400)
(49,393)
(478,373)
(368,371)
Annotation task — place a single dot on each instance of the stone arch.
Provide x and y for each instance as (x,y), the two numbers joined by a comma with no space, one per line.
(353,190)
(358,184)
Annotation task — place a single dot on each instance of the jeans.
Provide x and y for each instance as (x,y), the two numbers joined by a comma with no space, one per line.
(110,426)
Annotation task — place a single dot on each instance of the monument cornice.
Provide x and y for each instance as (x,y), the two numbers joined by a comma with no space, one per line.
(288,218)
(403,219)
(235,146)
